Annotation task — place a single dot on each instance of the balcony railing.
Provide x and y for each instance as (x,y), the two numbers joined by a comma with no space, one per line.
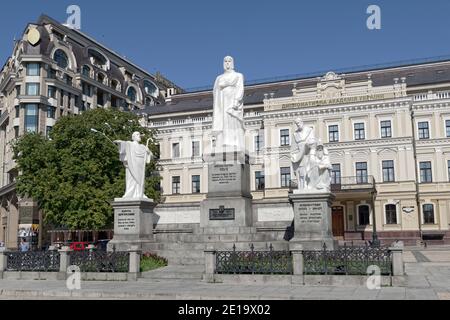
(353,183)
(432,96)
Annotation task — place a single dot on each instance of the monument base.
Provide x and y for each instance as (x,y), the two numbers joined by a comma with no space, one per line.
(226,212)
(133,224)
(229,201)
(312,220)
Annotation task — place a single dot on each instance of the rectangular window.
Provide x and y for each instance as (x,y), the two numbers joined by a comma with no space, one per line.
(17,90)
(284,137)
(285,174)
(360,133)
(68,79)
(428,214)
(175,150)
(51,92)
(31,117)
(259,142)
(86,89)
(361,172)
(447,128)
(17,109)
(33,69)
(48,129)
(424,130)
(32,89)
(51,74)
(333,133)
(259,180)
(391,214)
(195,148)
(426,175)
(388,171)
(336,174)
(364,215)
(386,129)
(176,185)
(16,131)
(195,184)
(51,111)
(61,98)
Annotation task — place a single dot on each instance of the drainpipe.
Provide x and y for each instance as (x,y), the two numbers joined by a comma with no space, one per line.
(416,170)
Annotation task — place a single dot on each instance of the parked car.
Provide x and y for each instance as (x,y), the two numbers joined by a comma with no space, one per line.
(102,245)
(79,246)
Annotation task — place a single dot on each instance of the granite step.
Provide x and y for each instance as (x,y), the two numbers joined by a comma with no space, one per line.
(189,238)
(175,272)
(198,246)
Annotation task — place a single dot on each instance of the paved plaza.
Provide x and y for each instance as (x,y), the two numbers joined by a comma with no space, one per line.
(428,273)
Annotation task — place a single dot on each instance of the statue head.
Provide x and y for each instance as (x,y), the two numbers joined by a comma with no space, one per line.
(228,63)
(321,151)
(299,123)
(136,136)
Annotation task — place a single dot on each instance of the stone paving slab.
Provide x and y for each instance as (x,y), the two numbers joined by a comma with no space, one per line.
(201,291)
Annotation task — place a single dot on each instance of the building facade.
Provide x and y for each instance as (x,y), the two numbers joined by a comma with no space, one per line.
(56,71)
(387,132)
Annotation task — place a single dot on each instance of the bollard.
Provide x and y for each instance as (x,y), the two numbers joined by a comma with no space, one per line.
(64,262)
(297,263)
(396,250)
(134,268)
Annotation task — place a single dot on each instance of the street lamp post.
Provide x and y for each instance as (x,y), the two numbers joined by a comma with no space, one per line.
(375,240)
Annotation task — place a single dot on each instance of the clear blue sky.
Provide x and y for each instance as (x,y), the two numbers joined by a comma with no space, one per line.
(187,39)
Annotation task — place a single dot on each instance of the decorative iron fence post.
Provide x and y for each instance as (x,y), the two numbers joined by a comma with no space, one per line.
(210,265)
(396,251)
(134,267)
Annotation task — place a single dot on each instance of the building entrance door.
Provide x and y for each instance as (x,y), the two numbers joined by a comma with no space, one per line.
(338,221)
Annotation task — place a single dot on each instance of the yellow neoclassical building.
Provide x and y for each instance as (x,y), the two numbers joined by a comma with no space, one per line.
(387,131)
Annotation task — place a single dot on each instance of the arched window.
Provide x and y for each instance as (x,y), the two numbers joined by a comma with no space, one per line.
(132,94)
(364,215)
(97,59)
(61,59)
(151,89)
(115,85)
(428,213)
(101,78)
(86,71)
(391,214)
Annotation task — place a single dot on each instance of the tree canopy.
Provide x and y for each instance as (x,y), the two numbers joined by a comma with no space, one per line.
(76,173)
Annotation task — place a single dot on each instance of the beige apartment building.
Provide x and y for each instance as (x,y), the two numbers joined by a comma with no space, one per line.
(56,71)
(387,131)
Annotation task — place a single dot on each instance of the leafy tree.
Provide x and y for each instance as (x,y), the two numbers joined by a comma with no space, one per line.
(76,173)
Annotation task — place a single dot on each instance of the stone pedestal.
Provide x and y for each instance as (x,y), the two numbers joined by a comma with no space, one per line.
(312,220)
(229,201)
(133,224)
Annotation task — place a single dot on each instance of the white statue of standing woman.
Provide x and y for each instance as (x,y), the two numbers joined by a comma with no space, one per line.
(228,110)
(310,160)
(134,156)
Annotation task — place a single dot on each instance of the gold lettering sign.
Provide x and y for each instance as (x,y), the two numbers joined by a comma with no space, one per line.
(324,102)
